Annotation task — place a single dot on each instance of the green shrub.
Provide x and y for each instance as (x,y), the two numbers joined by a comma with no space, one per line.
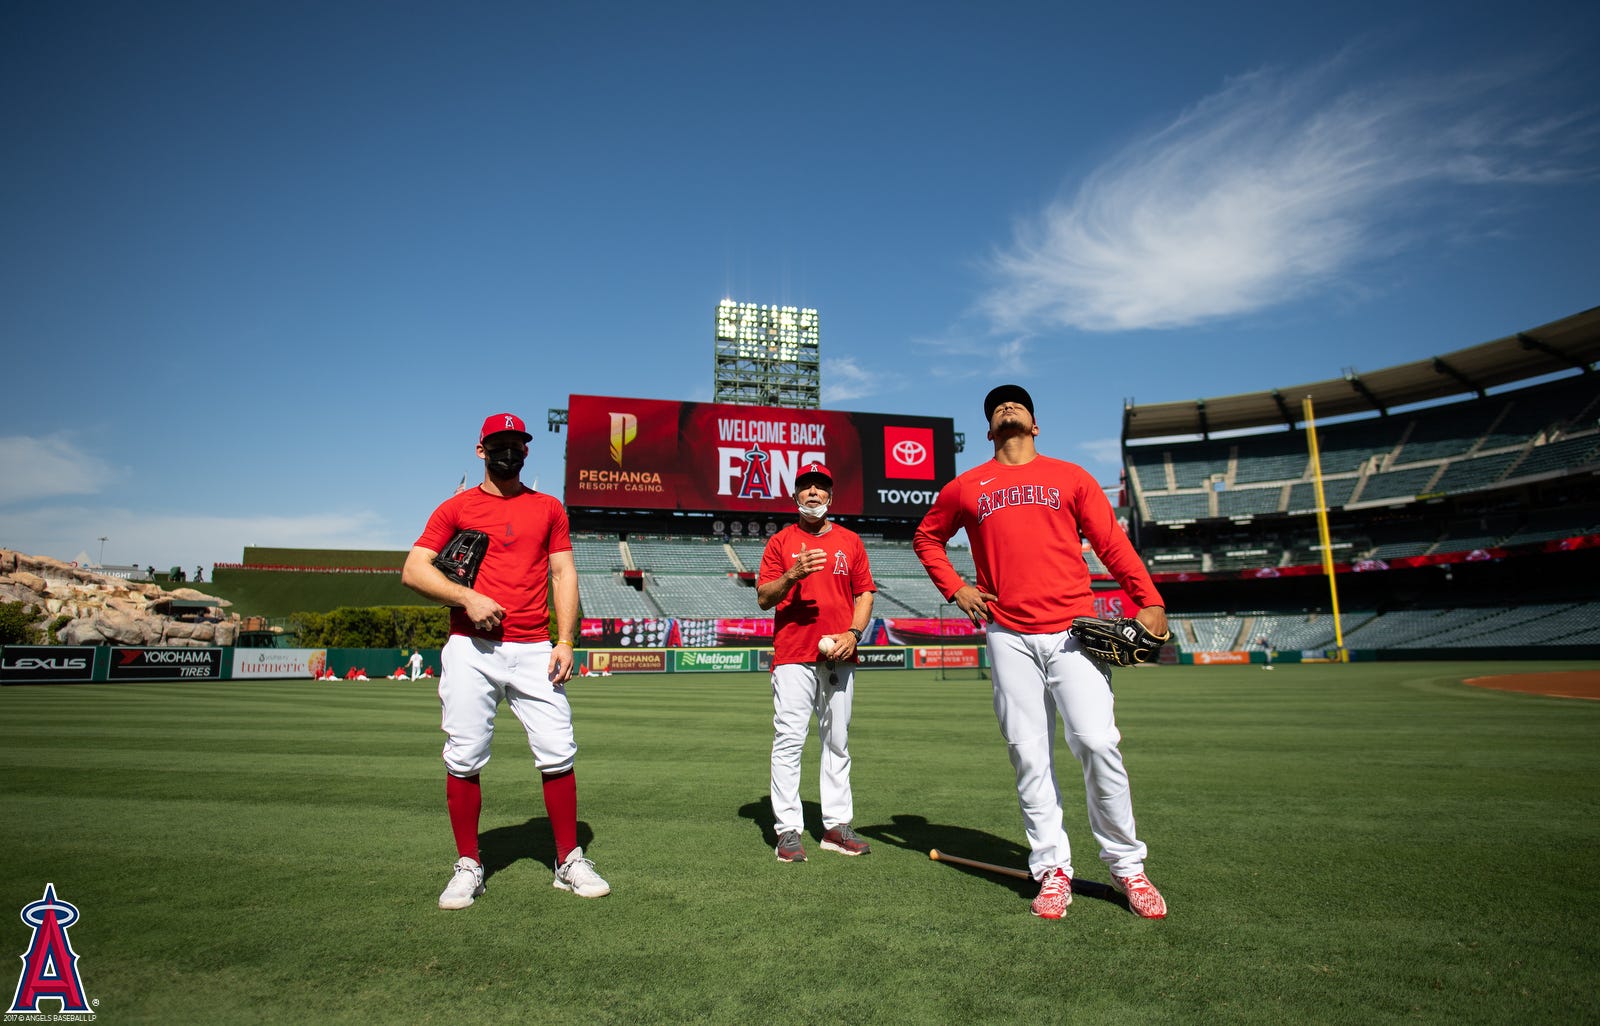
(374,627)
(16,624)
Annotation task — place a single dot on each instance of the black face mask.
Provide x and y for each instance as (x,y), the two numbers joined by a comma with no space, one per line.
(504,462)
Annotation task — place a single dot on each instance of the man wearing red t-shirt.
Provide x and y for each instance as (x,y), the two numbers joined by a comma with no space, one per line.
(1027,516)
(499,648)
(815,573)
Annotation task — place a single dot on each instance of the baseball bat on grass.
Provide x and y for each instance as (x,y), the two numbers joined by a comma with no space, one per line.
(988,867)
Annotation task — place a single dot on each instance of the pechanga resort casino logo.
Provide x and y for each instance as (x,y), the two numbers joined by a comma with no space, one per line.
(624,429)
(50,966)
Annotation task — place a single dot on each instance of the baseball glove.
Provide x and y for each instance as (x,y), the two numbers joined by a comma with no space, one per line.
(1120,642)
(461,558)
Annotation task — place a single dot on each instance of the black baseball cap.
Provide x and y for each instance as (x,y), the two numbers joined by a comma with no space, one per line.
(1006,394)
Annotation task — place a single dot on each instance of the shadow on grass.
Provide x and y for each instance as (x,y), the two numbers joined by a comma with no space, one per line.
(501,847)
(915,833)
(759,812)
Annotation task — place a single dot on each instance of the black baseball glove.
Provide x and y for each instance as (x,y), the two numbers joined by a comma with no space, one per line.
(1120,642)
(461,558)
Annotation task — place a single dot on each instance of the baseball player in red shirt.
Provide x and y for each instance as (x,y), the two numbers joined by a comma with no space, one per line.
(1026,517)
(499,648)
(815,573)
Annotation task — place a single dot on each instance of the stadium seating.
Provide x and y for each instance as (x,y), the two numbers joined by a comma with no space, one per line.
(605,595)
(1396,484)
(1245,501)
(1220,633)
(1302,631)
(1195,464)
(596,553)
(704,556)
(701,595)
(1451,448)
(1478,472)
(1568,453)
(1188,506)
(749,552)
(1336,491)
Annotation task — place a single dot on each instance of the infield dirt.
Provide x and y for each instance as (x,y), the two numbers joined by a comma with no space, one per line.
(1561,684)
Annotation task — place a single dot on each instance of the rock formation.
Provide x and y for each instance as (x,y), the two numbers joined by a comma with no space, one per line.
(108,610)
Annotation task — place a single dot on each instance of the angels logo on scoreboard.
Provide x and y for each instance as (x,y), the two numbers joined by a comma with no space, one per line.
(754,482)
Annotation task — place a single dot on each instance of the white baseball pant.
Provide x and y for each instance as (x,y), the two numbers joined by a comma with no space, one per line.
(1035,677)
(474,676)
(799,691)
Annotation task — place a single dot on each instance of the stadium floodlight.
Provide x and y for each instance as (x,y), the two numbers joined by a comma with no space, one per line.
(766,355)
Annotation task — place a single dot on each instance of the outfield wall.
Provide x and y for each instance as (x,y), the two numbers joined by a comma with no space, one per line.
(84,664)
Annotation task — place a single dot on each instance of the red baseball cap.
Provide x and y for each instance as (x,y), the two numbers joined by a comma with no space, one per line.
(501,423)
(813,469)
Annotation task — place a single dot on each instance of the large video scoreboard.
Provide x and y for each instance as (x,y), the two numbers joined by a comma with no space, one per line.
(658,454)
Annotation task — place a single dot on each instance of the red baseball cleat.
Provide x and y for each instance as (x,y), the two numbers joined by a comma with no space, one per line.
(1055,894)
(1143,898)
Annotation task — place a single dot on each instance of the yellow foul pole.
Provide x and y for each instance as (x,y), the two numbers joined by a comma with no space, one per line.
(1322,527)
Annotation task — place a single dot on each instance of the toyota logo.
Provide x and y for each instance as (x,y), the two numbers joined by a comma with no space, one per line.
(910,453)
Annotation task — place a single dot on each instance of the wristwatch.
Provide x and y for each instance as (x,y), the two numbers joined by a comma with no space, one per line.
(857,633)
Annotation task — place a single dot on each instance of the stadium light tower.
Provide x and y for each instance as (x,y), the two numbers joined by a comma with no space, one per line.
(767,356)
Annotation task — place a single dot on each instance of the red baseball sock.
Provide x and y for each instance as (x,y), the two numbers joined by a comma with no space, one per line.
(464,798)
(561,805)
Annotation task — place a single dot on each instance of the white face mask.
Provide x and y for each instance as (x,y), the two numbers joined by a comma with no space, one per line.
(814,512)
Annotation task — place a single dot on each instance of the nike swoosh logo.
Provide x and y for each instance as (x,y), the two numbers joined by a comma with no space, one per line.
(985,481)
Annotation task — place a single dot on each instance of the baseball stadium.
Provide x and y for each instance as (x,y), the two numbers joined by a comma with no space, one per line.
(1380,689)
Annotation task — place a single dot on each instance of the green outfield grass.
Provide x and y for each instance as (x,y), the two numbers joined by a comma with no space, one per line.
(1339,844)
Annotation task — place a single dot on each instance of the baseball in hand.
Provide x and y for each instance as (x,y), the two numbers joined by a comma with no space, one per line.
(825,646)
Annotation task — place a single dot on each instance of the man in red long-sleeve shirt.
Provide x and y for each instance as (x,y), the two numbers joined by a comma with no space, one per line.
(1027,516)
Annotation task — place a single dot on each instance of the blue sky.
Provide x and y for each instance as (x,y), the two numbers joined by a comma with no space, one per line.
(266,266)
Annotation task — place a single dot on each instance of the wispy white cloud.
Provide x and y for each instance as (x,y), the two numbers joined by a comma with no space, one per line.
(843,380)
(1272,188)
(43,468)
(958,356)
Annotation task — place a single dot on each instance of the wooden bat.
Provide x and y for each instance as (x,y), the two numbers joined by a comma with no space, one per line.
(988,867)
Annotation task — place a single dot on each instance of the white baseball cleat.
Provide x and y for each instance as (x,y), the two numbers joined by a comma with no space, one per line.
(577,875)
(465,885)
